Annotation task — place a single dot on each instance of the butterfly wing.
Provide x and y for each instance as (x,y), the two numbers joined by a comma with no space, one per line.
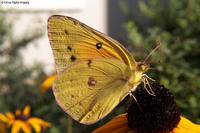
(89,90)
(73,42)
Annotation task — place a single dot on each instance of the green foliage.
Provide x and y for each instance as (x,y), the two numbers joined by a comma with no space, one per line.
(20,84)
(175,24)
(17,82)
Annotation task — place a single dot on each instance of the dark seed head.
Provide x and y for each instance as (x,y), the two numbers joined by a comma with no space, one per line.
(159,113)
(21,117)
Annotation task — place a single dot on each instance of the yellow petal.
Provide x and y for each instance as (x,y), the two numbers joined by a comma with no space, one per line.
(27,110)
(18,125)
(15,128)
(10,115)
(3,118)
(9,123)
(36,127)
(186,126)
(48,83)
(118,124)
(37,123)
(18,112)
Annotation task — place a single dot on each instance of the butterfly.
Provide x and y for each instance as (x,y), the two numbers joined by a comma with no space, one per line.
(95,72)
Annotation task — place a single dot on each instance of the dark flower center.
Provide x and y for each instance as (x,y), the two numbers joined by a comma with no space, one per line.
(159,113)
(21,117)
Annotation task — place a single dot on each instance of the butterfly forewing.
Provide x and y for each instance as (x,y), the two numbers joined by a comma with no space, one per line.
(73,41)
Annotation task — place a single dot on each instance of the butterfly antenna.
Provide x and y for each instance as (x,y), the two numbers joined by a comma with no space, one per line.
(151,53)
(135,100)
(151,68)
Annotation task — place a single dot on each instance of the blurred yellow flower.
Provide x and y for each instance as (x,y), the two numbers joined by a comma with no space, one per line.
(23,121)
(48,83)
(119,124)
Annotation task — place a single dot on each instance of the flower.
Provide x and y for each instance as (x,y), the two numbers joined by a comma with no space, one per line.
(156,114)
(119,124)
(23,121)
(48,82)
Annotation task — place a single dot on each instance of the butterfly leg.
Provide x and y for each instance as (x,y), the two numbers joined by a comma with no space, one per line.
(149,86)
(144,75)
(145,81)
(131,95)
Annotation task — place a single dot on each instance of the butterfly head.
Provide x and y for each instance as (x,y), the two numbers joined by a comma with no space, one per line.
(142,67)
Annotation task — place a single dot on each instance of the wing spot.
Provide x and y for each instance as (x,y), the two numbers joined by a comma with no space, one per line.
(66,32)
(72,96)
(125,79)
(73,58)
(69,48)
(99,45)
(75,22)
(89,63)
(91,81)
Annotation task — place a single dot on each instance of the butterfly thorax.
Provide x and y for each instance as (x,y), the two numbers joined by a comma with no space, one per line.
(140,69)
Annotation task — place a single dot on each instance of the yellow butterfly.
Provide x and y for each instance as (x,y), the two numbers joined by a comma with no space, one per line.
(95,72)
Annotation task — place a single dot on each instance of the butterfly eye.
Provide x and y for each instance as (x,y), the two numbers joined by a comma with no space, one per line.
(142,67)
(99,45)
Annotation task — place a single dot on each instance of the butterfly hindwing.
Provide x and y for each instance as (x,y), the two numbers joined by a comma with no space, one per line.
(90,89)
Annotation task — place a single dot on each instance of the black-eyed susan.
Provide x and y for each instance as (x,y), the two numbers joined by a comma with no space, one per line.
(47,83)
(23,121)
(159,114)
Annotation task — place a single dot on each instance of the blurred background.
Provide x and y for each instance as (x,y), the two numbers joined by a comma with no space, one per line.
(140,25)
